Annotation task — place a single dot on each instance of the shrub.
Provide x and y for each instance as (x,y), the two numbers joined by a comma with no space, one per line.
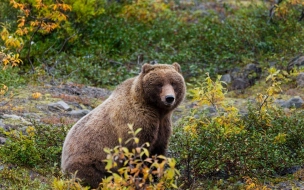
(38,146)
(261,143)
(134,169)
(16,177)
(71,184)
(200,41)
(10,77)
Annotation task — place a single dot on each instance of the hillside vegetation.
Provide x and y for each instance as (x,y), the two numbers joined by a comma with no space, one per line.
(233,135)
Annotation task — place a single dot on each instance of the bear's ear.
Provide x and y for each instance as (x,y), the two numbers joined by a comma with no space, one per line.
(177,67)
(146,68)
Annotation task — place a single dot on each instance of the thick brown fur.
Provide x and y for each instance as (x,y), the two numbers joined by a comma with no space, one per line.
(144,101)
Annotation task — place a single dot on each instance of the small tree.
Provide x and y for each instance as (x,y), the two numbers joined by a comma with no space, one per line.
(34,16)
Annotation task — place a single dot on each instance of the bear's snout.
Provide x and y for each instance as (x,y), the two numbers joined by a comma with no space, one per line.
(169,99)
(168,95)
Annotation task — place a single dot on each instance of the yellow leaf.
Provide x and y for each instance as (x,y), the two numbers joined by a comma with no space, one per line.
(54,7)
(162,157)
(36,95)
(136,140)
(3,89)
(4,34)
(146,152)
(171,162)
(170,173)
(125,150)
(109,165)
(130,126)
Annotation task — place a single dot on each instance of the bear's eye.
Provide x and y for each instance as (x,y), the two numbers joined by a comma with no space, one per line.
(159,85)
(173,84)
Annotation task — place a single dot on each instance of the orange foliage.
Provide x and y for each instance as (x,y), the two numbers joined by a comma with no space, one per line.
(47,16)
(282,9)
(34,16)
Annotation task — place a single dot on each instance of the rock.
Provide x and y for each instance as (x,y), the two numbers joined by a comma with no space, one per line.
(3,103)
(77,106)
(31,115)
(59,106)
(16,117)
(296,102)
(251,67)
(273,64)
(226,78)
(78,113)
(252,72)
(290,170)
(239,84)
(300,80)
(191,105)
(6,116)
(279,102)
(240,79)
(1,123)
(74,89)
(297,61)
(210,109)
(2,140)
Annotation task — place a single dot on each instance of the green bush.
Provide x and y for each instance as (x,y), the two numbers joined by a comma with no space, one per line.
(261,143)
(38,146)
(107,40)
(207,43)
(91,71)
(21,178)
(260,150)
(10,77)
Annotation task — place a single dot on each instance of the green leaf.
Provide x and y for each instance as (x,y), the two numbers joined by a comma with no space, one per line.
(107,150)
(137,131)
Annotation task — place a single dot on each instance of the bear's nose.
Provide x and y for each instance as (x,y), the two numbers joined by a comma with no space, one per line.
(169,99)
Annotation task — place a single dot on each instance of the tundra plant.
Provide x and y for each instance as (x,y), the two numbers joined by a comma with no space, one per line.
(227,145)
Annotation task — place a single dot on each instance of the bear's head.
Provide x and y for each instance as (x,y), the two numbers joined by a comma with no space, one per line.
(162,85)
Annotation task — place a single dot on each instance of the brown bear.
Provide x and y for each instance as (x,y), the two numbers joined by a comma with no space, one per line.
(146,101)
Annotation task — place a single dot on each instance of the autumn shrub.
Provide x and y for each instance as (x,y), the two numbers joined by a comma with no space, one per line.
(37,146)
(226,144)
(137,169)
(72,183)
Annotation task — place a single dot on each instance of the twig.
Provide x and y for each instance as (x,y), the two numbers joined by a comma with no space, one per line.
(65,41)
(30,45)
